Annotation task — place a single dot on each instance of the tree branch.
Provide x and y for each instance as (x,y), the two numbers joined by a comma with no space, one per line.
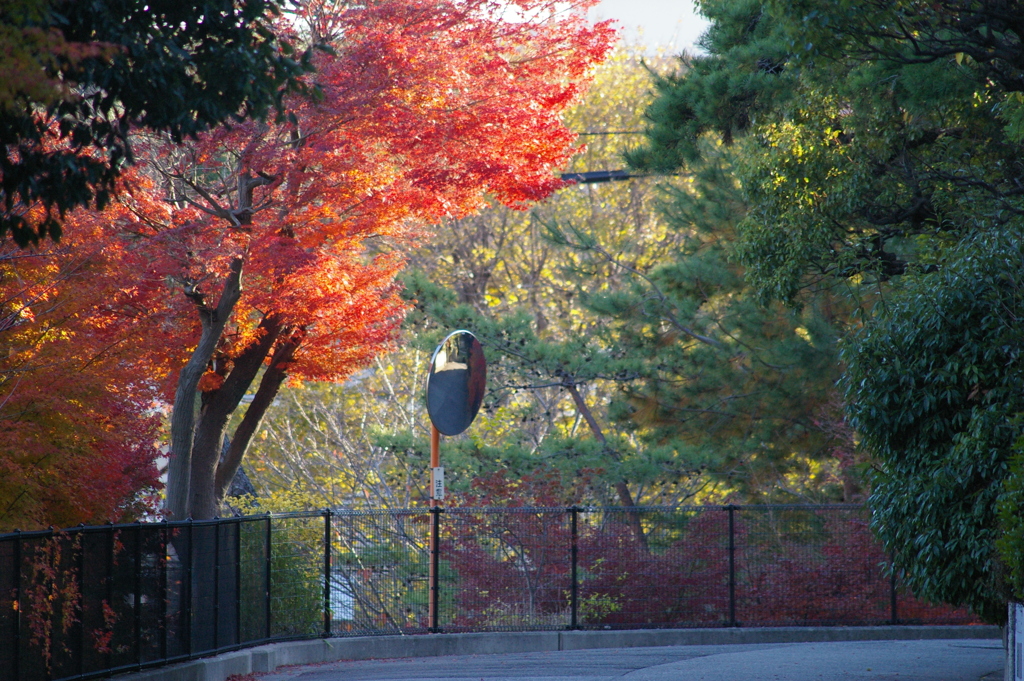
(270,384)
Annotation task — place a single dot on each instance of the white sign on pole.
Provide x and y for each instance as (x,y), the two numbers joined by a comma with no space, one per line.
(438,483)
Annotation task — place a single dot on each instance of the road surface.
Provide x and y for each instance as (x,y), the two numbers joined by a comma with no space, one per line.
(939,660)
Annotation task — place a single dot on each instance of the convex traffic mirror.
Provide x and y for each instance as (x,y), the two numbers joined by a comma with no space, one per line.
(456,382)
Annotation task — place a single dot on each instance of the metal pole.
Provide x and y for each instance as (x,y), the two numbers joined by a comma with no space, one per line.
(732,565)
(574,593)
(111,558)
(238,581)
(893,615)
(17,604)
(163,591)
(187,598)
(327,572)
(435,461)
(216,584)
(267,575)
(81,602)
(138,595)
(435,531)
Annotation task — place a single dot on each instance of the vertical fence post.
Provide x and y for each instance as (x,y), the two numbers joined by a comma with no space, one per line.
(893,615)
(187,590)
(163,591)
(53,566)
(435,538)
(732,564)
(138,595)
(17,605)
(574,555)
(216,583)
(80,564)
(267,573)
(238,581)
(327,572)
(111,559)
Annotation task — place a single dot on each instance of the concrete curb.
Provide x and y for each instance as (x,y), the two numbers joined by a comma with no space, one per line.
(267,658)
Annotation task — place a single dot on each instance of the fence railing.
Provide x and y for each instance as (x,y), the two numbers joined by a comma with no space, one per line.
(91,601)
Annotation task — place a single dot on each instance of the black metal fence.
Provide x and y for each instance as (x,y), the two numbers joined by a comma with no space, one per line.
(92,601)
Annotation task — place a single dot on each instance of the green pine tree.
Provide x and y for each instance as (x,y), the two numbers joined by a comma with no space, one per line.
(877,150)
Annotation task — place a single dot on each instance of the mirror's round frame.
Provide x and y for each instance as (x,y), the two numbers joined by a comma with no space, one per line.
(456,382)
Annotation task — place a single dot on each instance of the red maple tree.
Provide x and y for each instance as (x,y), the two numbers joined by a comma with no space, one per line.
(77,426)
(285,236)
(268,250)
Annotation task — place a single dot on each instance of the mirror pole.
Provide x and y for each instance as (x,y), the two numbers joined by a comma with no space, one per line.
(435,461)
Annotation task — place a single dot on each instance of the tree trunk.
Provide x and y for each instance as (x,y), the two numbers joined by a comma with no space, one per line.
(621,488)
(204,502)
(270,385)
(213,320)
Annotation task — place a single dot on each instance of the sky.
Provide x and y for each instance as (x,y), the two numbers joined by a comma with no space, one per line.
(673,23)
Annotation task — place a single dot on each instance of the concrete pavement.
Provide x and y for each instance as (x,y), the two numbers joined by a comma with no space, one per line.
(934,660)
(582,655)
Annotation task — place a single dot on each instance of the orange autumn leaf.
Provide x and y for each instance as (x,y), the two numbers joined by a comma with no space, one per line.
(210,381)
